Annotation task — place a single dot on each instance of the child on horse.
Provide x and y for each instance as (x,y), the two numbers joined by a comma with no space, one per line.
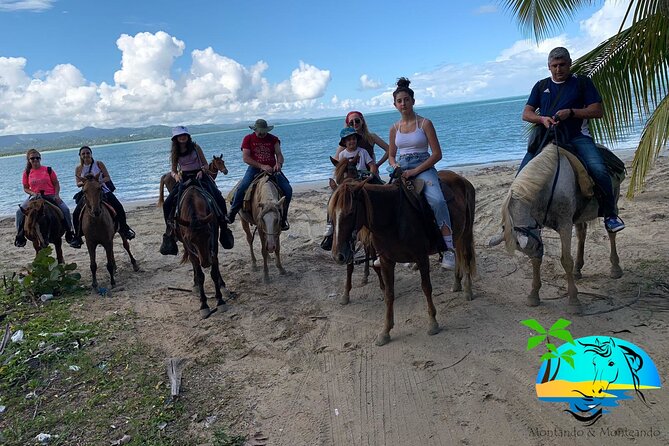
(262,152)
(189,163)
(88,166)
(38,179)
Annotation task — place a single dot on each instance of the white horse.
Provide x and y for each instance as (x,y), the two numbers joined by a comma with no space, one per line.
(549,193)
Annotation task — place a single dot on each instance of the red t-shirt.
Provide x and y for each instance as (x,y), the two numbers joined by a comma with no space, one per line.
(40,180)
(262,149)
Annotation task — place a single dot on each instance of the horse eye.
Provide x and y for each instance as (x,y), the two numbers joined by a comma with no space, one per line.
(611,363)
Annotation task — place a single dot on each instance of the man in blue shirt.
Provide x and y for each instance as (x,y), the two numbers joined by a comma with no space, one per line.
(568,102)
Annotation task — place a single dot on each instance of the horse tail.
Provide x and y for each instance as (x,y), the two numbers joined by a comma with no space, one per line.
(507,225)
(464,245)
(161,197)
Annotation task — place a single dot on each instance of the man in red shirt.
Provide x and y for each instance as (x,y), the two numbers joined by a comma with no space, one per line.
(262,152)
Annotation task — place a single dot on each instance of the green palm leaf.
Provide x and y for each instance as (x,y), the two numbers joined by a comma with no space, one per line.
(562,335)
(541,17)
(534,341)
(569,360)
(560,324)
(534,325)
(547,356)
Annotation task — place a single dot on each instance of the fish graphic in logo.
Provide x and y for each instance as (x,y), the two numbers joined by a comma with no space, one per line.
(592,373)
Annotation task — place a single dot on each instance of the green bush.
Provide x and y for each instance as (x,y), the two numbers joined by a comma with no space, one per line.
(46,275)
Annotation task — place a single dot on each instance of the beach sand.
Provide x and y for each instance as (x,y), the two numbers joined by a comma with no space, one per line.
(289,363)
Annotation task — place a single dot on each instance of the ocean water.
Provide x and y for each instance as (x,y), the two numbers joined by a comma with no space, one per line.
(470,133)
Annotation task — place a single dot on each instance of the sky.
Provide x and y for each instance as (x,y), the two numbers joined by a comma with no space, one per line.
(69,64)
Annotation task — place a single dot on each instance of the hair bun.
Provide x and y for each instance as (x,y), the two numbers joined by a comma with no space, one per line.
(403,82)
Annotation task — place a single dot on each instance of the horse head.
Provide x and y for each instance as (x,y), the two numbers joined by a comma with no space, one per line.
(92,190)
(218,165)
(347,168)
(347,210)
(36,224)
(612,364)
(195,228)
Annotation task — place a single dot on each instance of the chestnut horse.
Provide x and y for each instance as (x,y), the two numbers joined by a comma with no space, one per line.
(98,226)
(216,165)
(43,225)
(197,229)
(266,210)
(401,237)
(347,169)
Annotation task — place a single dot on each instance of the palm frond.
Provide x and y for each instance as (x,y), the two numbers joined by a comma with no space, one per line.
(653,139)
(540,18)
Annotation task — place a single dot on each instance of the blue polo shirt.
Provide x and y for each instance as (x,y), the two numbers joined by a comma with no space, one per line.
(545,91)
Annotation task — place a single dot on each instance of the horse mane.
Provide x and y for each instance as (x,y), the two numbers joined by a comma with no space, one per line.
(532,179)
(341,199)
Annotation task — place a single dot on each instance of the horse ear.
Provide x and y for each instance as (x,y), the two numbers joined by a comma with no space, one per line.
(334,162)
(280,203)
(221,157)
(360,185)
(356,159)
(23,211)
(333,184)
(182,222)
(633,358)
(97,176)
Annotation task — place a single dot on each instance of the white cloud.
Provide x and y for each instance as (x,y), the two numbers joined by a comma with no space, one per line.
(606,22)
(26,5)
(145,91)
(366,83)
(486,9)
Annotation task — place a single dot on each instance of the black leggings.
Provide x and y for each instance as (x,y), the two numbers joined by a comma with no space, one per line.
(207,184)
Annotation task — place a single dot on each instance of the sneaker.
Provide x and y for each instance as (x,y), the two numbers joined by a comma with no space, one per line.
(326,244)
(614,224)
(226,238)
(448,260)
(377,262)
(328,230)
(76,242)
(169,246)
(230,218)
(20,241)
(69,236)
(284,225)
(129,234)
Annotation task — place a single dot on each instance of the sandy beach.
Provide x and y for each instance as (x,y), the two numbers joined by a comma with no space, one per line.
(296,367)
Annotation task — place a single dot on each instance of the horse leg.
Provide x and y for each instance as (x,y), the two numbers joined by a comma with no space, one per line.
(94,263)
(365,275)
(573,304)
(249,239)
(59,251)
(265,255)
(426,284)
(388,273)
(277,257)
(581,232)
(205,311)
(215,274)
(345,298)
(126,246)
(111,262)
(533,298)
(616,270)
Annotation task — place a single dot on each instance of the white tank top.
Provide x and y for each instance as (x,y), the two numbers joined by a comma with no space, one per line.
(414,142)
(94,169)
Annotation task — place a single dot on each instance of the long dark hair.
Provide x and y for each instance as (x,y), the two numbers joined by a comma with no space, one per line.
(81,161)
(174,154)
(28,165)
(403,86)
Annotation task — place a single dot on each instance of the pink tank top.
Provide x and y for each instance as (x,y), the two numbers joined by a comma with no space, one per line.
(190,162)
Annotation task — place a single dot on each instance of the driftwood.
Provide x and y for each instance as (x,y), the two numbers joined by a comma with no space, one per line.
(5,339)
(174,369)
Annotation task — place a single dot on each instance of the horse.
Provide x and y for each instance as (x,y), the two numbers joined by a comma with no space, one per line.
(43,224)
(265,214)
(197,229)
(347,169)
(546,193)
(216,165)
(98,226)
(401,237)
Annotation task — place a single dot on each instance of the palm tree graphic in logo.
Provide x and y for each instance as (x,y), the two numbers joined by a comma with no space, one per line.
(602,369)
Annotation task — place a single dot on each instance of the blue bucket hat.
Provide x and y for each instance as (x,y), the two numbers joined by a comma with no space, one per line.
(345,133)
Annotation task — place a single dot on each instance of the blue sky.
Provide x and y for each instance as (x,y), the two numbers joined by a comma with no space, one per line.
(68,64)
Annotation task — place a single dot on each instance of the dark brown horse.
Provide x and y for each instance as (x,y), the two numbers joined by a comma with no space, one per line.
(400,237)
(197,229)
(216,165)
(43,225)
(98,226)
(266,210)
(347,169)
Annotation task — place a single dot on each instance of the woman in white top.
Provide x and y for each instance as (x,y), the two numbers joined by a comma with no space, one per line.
(409,141)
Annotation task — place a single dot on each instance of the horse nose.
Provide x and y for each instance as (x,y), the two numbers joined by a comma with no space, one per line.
(340,258)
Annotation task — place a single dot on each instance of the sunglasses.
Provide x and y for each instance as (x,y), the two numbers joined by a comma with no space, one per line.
(33,158)
(354,121)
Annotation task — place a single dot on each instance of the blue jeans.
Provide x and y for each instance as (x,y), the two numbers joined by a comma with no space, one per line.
(63,208)
(587,152)
(435,198)
(251,173)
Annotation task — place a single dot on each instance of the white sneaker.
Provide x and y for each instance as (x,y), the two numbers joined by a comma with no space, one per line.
(377,262)
(448,260)
(328,230)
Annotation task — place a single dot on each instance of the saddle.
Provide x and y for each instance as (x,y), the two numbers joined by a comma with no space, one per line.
(207,196)
(55,207)
(411,195)
(248,195)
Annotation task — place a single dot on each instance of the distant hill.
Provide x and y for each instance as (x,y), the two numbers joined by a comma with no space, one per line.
(91,136)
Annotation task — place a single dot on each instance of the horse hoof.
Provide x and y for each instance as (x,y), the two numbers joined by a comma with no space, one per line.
(532,301)
(469,295)
(223,308)
(434,329)
(206,312)
(578,275)
(456,287)
(382,339)
(135,267)
(344,300)
(282,271)
(575,309)
(616,273)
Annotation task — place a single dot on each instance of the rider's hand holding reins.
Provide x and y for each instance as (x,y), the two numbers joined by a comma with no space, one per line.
(548,121)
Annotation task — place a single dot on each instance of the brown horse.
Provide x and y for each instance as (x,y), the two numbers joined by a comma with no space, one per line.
(197,229)
(216,165)
(400,237)
(266,209)
(43,225)
(347,169)
(98,226)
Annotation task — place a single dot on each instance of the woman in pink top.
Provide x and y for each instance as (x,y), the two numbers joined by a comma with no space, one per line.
(40,180)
